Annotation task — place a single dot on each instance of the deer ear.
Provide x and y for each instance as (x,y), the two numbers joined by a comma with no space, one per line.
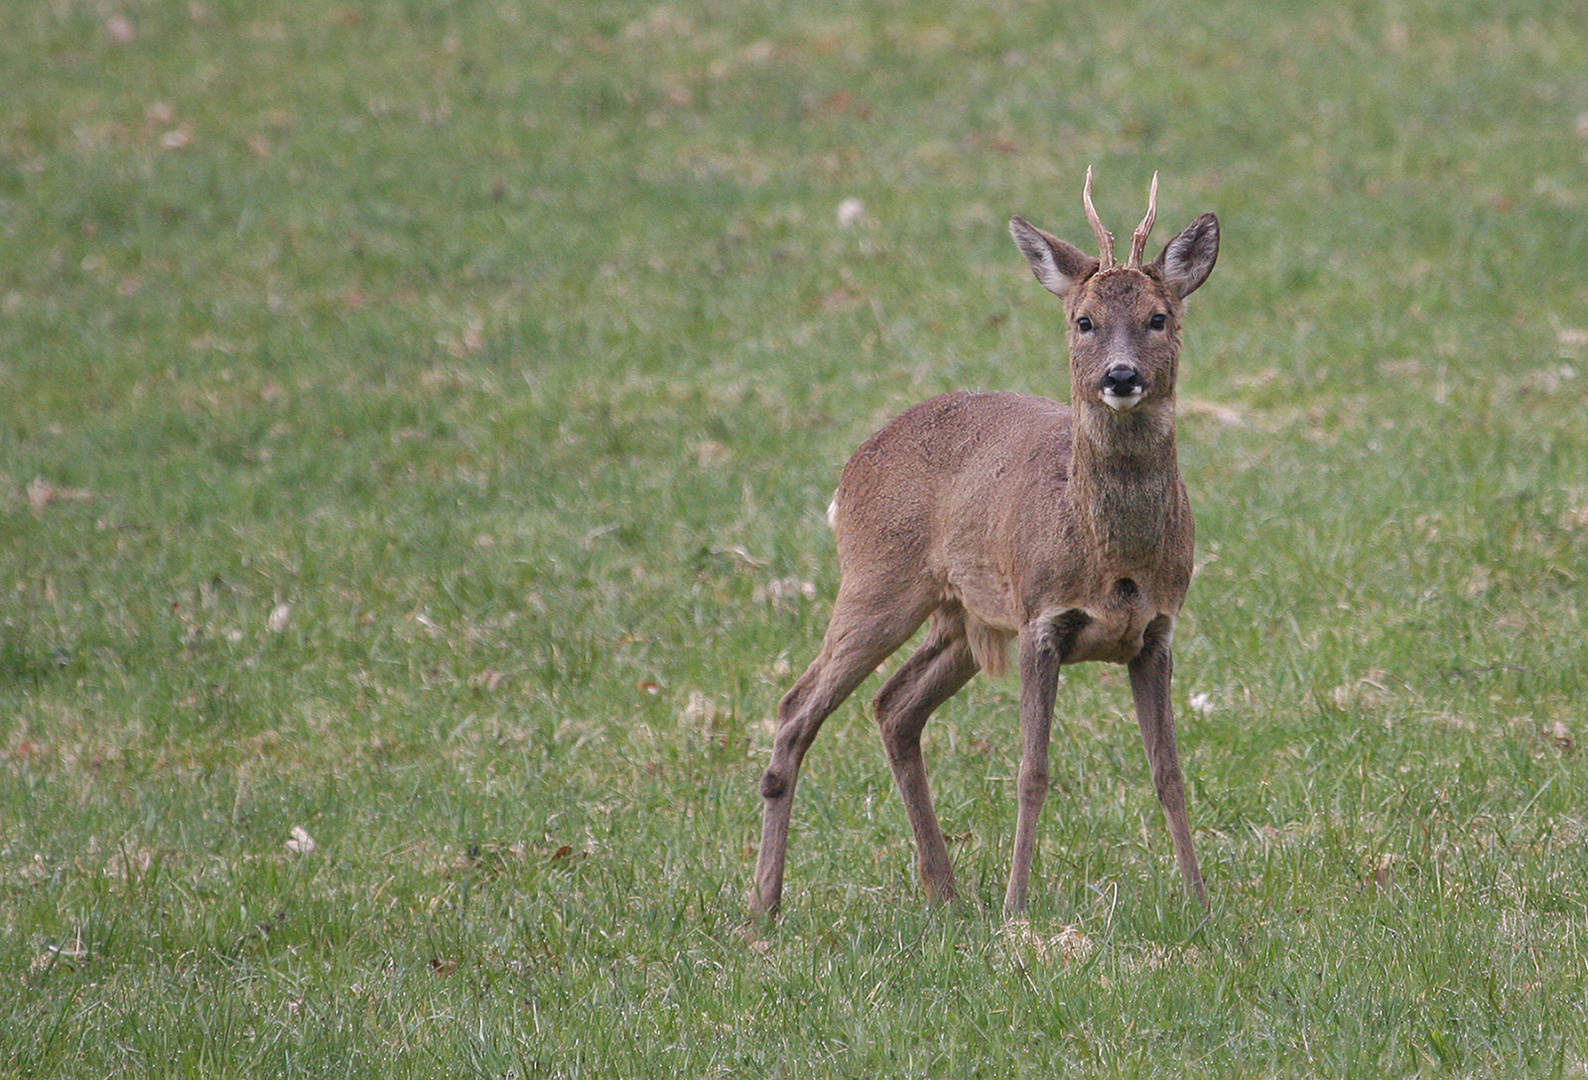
(1187,260)
(1056,264)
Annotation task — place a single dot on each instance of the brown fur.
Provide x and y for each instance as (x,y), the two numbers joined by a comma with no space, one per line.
(1003,517)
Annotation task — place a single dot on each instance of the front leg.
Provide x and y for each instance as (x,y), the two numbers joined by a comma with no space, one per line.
(1150,673)
(1040,656)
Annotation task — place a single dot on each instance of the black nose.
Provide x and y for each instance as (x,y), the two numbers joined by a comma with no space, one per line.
(1123,382)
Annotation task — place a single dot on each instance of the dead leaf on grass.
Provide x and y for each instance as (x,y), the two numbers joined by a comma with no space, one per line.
(279,617)
(130,865)
(750,934)
(1560,736)
(699,710)
(1549,380)
(741,556)
(840,299)
(469,340)
(1069,946)
(1368,692)
(1379,878)
(70,956)
(784,592)
(26,748)
(42,493)
(567,855)
(1158,957)
(177,138)
(490,859)
(843,103)
(487,680)
(1227,415)
(710,452)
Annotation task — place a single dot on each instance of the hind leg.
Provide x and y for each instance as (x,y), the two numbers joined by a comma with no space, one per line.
(932,675)
(865,629)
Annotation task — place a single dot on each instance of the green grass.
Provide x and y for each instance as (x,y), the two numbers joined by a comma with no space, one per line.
(415,427)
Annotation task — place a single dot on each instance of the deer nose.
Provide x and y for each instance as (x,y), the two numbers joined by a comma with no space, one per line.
(1122,387)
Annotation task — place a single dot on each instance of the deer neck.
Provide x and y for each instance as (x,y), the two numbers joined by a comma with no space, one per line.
(1125,479)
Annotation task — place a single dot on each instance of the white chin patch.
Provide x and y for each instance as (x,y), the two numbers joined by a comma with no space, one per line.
(1122,403)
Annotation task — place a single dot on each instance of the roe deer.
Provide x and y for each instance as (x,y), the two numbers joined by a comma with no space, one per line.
(1001,516)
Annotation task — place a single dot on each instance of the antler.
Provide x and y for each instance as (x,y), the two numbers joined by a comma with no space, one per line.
(1138,239)
(1105,239)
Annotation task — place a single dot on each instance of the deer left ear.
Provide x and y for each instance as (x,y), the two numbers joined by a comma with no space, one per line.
(1056,263)
(1187,260)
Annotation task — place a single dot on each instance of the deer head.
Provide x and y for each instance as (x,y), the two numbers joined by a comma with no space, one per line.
(1123,321)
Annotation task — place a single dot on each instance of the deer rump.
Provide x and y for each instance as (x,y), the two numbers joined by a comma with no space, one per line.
(965,518)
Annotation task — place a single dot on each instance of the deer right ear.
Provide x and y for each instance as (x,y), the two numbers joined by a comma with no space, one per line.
(1187,260)
(1057,265)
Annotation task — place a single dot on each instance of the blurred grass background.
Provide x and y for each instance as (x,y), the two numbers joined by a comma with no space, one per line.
(416,422)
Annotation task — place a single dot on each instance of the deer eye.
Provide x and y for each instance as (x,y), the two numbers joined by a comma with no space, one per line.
(1157,321)
(1084,325)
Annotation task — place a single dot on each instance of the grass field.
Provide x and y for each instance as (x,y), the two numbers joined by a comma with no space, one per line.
(416,422)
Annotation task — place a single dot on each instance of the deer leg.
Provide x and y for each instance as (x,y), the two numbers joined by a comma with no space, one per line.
(1041,652)
(932,675)
(857,640)
(1150,673)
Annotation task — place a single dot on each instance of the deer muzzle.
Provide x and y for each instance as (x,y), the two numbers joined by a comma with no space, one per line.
(1122,388)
